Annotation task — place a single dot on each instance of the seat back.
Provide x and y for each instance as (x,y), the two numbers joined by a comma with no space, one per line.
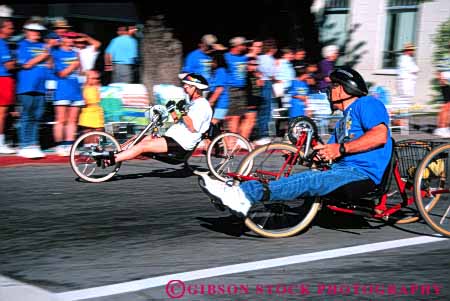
(366,189)
(170,158)
(387,175)
(213,131)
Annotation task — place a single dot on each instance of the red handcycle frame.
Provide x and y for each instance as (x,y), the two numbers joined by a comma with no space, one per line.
(380,211)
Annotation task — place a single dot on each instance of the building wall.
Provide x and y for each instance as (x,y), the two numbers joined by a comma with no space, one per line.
(371,16)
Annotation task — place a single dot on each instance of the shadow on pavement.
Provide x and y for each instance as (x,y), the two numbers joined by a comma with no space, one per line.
(157,173)
(229,225)
(331,220)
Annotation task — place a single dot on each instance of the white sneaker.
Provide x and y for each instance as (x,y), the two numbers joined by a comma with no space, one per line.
(442,132)
(263,141)
(231,196)
(36,152)
(25,152)
(5,149)
(62,150)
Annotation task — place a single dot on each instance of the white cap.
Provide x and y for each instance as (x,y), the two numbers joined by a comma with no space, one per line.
(34,26)
(329,50)
(236,41)
(209,39)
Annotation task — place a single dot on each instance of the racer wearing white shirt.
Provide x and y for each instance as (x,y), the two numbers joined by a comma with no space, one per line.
(184,135)
(200,113)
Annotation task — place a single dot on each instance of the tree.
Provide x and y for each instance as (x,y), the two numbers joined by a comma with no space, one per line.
(161,53)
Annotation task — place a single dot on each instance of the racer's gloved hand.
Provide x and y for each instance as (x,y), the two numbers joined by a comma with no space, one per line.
(171,105)
(181,106)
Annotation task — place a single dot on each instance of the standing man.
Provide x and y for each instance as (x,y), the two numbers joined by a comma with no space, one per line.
(199,60)
(266,67)
(32,56)
(121,55)
(7,84)
(237,71)
(407,73)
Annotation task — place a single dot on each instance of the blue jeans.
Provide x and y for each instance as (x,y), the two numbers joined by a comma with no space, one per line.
(265,110)
(308,183)
(33,106)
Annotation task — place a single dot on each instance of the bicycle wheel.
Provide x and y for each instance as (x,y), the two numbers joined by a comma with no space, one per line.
(278,219)
(298,125)
(85,156)
(432,189)
(225,153)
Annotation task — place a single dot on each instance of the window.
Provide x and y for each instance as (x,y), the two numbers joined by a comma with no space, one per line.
(334,27)
(400,29)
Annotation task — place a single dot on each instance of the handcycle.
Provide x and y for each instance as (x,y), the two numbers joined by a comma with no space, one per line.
(284,219)
(90,149)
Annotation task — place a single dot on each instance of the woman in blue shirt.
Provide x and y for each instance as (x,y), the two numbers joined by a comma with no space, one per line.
(218,98)
(68,98)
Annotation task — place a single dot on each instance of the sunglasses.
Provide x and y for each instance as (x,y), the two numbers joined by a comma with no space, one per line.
(334,85)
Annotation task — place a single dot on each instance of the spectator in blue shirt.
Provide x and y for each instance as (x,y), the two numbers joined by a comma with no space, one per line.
(121,55)
(218,85)
(237,69)
(299,93)
(7,83)
(199,61)
(68,98)
(32,56)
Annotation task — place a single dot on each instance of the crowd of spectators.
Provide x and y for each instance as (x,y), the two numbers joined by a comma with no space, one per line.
(51,62)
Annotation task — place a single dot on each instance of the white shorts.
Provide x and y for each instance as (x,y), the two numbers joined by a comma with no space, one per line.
(71,103)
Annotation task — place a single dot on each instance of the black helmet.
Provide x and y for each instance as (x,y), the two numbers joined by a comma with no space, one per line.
(196,80)
(351,80)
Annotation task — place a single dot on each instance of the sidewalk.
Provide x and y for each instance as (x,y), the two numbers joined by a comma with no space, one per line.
(51,158)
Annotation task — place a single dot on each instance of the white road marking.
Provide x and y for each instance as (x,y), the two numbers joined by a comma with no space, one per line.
(137,285)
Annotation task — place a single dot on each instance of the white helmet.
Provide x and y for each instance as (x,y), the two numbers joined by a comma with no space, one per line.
(196,80)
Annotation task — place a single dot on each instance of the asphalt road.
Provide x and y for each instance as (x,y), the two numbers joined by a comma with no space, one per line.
(63,235)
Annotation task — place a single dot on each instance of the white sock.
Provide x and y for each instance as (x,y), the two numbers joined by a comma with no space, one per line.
(2,139)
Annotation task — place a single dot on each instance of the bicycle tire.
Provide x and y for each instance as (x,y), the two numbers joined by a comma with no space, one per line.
(432,176)
(223,159)
(297,218)
(297,124)
(80,151)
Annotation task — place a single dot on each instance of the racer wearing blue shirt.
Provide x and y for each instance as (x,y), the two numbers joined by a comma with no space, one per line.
(361,148)
(358,120)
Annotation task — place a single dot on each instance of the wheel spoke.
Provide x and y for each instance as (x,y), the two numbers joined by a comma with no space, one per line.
(87,150)
(283,218)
